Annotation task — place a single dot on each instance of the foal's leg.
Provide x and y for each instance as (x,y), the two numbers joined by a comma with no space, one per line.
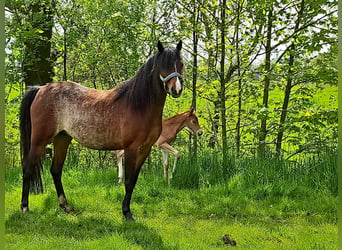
(177,155)
(167,148)
(166,165)
(120,157)
(133,163)
(29,167)
(61,143)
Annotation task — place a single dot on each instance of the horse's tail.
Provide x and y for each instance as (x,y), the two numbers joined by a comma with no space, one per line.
(36,185)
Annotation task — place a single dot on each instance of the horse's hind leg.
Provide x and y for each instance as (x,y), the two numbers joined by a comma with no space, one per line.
(61,143)
(30,166)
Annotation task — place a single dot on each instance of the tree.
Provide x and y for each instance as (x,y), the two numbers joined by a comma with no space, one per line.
(308,15)
(223,6)
(36,18)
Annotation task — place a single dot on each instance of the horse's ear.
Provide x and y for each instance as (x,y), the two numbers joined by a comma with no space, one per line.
(160,47)
(179,45)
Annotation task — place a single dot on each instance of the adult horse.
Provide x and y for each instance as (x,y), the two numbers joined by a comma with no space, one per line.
(127,117)
(170,128)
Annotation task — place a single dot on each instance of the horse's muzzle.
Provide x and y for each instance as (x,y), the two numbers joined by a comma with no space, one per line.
(199,132)
(175,93)
(177,89)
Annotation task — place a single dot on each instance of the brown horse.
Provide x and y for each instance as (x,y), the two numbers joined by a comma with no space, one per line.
(128,117)
(170,128)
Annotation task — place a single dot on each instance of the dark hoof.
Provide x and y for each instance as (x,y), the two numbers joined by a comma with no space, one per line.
(129,217)
(67,208)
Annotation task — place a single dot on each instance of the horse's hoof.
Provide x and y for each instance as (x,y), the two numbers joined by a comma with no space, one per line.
(24,210)
(67,208)
(129,217)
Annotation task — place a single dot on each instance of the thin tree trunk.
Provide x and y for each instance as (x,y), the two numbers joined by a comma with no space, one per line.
(194,90)
(212,59)
(286,101)
(223,83)
(288,87)
(263,127)
(65,57)
(238,123)
(194,73)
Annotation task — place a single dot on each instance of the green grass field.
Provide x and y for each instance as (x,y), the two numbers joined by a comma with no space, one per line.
(256,215)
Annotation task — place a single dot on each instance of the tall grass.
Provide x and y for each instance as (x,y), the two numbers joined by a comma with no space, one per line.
(314,172)
(317,172)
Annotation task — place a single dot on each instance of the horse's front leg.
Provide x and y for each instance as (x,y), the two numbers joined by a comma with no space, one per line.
(134,159)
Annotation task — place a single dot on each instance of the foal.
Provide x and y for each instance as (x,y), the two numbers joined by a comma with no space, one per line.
(170,128)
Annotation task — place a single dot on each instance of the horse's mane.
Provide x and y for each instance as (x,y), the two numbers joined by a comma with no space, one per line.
(142,90)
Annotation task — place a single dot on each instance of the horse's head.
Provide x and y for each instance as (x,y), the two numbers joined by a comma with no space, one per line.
(192,123)
(170,67)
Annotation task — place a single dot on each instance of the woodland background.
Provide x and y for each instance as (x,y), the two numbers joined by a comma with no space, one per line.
(261,75)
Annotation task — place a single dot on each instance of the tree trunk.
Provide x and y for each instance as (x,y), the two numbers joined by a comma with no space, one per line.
(65,56)
(238,123)
(223,83)
(211,74)
(288,87)
(195,18)
(194,81)
(263,127)
(286,101)
(38,64)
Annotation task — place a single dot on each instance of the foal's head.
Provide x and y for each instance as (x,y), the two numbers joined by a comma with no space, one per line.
(170,67)
(191,122)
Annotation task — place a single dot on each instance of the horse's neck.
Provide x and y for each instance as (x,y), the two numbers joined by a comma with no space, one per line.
(176,124)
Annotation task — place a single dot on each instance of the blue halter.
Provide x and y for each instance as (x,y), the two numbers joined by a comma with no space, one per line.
(169,77)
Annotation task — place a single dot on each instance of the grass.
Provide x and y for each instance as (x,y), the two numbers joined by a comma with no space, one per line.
(193,214)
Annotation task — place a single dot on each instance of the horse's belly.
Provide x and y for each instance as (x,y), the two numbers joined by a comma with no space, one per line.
(97,142)
(96,137)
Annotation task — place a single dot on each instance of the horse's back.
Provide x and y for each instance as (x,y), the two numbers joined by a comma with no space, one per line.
(94,118)
(86,114)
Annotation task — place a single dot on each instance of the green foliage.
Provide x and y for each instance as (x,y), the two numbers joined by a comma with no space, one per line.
(12,137)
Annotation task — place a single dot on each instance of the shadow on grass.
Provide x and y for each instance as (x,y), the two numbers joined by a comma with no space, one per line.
(54,223)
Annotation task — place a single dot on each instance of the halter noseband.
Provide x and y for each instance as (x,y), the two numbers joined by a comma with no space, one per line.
(169,77)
